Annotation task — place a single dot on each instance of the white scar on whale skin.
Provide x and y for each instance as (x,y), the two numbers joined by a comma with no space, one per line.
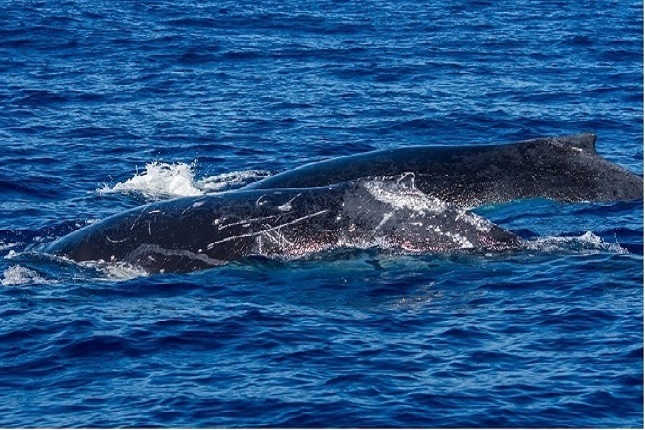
(143,248)
(138,218)
(385,219)
(245,223)
(481,224)
(256,233)
(115,240)
(277,237)
(287,206)
(412,199)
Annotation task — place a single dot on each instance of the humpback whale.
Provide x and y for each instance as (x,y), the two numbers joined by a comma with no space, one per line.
(566,169)
(193,233)
(414,199)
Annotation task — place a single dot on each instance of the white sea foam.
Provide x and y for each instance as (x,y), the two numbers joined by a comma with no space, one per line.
(18,275)
(164,180)
(588,242)
(116,271)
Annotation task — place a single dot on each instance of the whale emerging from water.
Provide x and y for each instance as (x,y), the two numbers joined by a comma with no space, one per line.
(195,233)
(565,169)
(408,199)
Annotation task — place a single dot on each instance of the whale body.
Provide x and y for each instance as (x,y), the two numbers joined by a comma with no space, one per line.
(193,233)
(413,200)
(566,169)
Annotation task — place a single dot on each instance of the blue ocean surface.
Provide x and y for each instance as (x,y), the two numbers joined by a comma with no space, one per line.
(107,105)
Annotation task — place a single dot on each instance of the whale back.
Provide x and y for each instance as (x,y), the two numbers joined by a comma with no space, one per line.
(195,233)
(565,169)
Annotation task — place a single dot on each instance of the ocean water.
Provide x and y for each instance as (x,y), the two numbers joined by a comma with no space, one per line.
(107,105)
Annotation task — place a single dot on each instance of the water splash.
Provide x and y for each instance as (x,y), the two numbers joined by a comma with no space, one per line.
(164,180)
(158,181)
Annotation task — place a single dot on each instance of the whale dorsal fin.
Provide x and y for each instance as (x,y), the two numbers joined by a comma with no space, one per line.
(583,142)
